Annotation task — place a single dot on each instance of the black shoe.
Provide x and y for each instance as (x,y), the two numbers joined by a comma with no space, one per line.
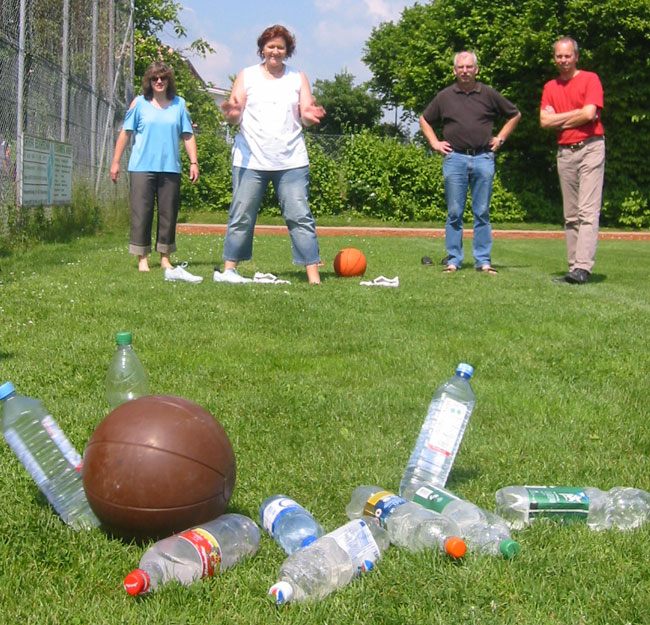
(426,260)
(445,260)
(577,276)
(560,279)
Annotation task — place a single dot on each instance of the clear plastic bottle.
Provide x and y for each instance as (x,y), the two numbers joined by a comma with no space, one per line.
(330,562)
(408,524)
(483,531)
(620,507)
(288,523)
(196,553)
(46,453)
(442,431)
(126,378)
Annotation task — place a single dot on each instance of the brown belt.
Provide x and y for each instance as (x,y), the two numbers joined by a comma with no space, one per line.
(574,147)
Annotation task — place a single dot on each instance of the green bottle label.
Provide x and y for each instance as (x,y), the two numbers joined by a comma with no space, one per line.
(562,503)
(433,498)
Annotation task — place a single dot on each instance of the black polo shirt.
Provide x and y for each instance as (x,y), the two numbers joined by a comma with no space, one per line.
(467,119)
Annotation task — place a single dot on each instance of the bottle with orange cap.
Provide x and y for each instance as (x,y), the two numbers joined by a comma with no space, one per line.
(408,524)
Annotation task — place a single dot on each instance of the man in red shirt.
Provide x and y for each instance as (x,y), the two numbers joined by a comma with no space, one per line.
(571,105)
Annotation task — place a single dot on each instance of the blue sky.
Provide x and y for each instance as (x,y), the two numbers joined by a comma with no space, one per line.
(330,34)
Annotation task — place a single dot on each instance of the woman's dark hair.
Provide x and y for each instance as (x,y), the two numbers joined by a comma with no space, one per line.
(271,33)
(158,70)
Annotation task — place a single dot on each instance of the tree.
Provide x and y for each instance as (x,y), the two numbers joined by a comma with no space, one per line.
(348,108)
(412,60)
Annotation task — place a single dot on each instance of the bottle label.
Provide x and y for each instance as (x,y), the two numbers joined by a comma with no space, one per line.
(275,510)
(557,502)
(356,539)
(434,498)
(24,455)
(206,547)
(61,441)
(381,505)
(451,415)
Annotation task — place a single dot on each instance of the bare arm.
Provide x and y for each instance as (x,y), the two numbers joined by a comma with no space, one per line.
(505,132)
(442,147)
(190,147)
(120,146)
(310,114)
(550,120)
(233,107)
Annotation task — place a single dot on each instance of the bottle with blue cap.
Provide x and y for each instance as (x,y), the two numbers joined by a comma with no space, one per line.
(47,454)
(441,434)
(330,562)
(288,523)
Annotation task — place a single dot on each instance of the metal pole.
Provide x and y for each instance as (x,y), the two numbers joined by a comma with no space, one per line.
(93,88)
(64,69)
(20,113)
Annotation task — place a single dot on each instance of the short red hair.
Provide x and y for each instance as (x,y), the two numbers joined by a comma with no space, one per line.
(271,33)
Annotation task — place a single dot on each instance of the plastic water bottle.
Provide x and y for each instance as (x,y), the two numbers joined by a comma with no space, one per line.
(330,562)
(620,507)
(408,524)
(483,531)
(288,523)
(439,439)
(46,453)
(195,553)
(126,378)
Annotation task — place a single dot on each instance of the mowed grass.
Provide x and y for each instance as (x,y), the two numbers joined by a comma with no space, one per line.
(323,388)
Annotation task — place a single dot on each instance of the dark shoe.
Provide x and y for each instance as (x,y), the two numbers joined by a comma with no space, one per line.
(426,260)
(577,276)
(445,260)
(560,279)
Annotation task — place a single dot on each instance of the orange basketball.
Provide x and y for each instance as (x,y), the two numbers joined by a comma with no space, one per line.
(350,262)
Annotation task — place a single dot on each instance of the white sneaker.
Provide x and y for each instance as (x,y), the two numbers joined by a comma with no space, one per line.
(383,281)
(231,276)
(268,278)
(179,273)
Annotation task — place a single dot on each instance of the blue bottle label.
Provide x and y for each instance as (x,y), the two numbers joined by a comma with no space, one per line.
(275,510)
(61,441)
(381,505)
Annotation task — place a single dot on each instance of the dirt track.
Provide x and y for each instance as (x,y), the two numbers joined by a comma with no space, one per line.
(343,231)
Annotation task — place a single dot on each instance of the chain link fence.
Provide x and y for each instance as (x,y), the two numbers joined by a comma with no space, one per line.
(66,74)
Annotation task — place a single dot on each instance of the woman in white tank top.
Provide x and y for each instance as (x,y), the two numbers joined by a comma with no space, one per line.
(271,102)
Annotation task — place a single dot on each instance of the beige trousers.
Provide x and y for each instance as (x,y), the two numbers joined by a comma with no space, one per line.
(581,176)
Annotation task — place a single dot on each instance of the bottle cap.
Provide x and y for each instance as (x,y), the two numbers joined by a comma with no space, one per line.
(509,548)
(123,338)
(6,389)
(455,547)
(281,592)
(136,582)
(464,370)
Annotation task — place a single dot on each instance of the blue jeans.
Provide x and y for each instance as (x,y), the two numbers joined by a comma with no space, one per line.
(477,172)
(292,189)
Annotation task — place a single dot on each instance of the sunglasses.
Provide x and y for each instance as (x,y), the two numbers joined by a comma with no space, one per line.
(159,79)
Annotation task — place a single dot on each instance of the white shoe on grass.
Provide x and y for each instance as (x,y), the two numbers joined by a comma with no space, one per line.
(229,275)
(179,273)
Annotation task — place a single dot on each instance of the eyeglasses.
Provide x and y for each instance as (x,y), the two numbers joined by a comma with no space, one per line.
(159,79)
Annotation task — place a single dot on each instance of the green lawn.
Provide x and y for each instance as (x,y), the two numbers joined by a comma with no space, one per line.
(323,388)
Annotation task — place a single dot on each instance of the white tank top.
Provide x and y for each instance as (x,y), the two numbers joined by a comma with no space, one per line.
(270,135)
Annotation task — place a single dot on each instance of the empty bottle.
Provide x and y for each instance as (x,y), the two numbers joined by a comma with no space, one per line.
(439,439)
(483,531)
(620,507)
(288,523)
(126,378)
(196,553)
(408,524)
(46,453)
(330,562)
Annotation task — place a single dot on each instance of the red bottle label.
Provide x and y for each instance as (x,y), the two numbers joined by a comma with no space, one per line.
(207,547)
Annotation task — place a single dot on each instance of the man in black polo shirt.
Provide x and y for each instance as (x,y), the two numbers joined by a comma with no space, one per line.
(466,111)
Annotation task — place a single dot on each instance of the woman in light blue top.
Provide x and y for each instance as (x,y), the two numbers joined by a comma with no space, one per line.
(159,119)
(271,102)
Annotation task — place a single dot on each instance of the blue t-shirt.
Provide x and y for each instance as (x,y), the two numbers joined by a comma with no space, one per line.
(157,133)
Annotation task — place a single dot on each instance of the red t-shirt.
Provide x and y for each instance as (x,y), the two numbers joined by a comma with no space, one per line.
(567,95)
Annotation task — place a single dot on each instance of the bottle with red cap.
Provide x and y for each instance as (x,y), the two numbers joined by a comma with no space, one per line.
(199,552)
(408,524)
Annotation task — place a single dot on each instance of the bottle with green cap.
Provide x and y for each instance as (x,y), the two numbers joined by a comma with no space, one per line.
(126,378)
(482,530)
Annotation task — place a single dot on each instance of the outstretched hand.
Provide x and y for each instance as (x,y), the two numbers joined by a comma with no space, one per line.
(312,114)
(232,109)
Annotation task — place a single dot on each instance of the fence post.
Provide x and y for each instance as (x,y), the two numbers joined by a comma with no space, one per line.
(20,104)
(93,89)
(65,69)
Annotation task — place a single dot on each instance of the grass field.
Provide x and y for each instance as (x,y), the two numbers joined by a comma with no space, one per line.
(323,388)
